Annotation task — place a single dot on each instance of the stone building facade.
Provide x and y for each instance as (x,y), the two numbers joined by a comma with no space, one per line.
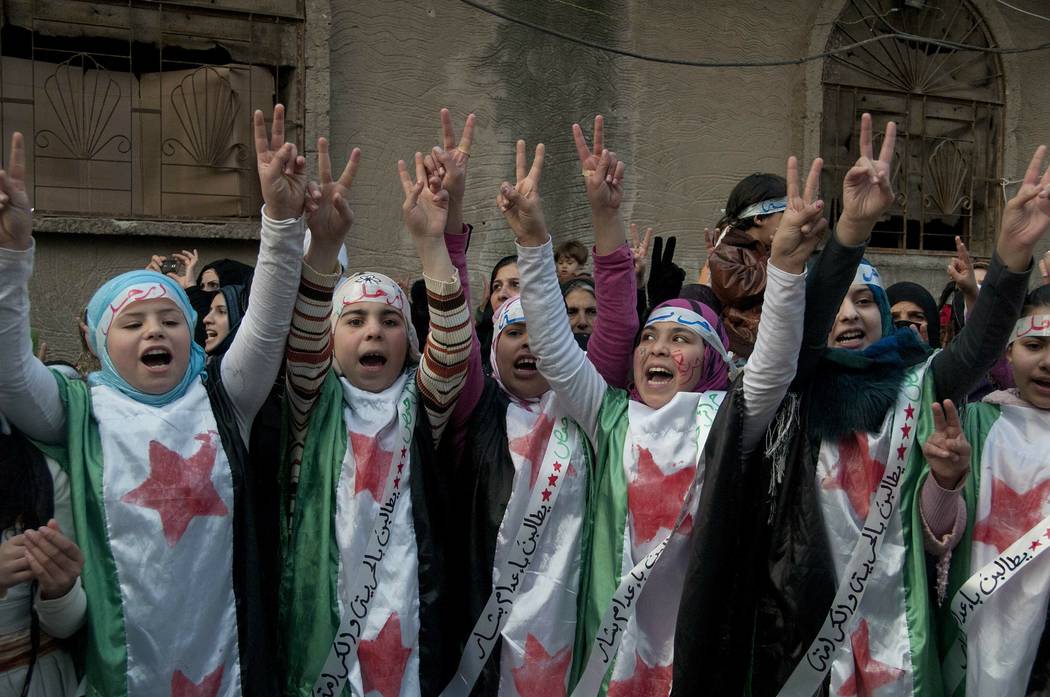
(374,73)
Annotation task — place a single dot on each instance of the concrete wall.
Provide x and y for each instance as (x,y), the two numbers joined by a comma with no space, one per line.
(378,71)
(687,134)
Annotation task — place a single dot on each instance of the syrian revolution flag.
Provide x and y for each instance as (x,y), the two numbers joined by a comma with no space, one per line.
(999,589)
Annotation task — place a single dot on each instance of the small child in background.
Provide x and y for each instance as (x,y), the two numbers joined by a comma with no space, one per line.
(571,257)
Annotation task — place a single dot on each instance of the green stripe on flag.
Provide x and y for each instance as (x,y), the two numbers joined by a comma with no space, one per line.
(601,547)
(81,458)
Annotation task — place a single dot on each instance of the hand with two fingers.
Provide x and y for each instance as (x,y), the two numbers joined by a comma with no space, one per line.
(328,213)
(1026,216)
(960,270)
(867,189)
(665,276)
(802,225)
(639,251)
(947,450)
(520,203)
(282,170)
(446,167)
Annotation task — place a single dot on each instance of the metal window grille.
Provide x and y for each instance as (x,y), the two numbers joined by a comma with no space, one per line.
(948,107)
(143,108)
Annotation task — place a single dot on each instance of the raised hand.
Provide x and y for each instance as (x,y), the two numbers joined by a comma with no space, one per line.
(14,567)
(960,270)
(639,250)
(947,450)
(282,170)
(328,213)
(802,226)
(520,204)
(1026,216)
(665,276)
(602,172)
(424,212)
(447,168)
(54,559)
(16,221)
(867,192)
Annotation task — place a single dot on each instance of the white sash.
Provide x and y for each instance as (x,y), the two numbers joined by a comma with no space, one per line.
(363,575)
(864,562)
(511,571)
(624,602)
(1004,608)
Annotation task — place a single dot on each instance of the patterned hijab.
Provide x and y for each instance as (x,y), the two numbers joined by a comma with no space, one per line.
(109,301)
(374,287)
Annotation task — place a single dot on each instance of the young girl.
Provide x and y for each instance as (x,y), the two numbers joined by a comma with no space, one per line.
(993,625)
(521,473)
(41,598)
(359,601)
(834,582)
(153,447)
(649,442)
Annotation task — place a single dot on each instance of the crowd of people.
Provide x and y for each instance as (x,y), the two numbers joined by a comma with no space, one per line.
(589,478)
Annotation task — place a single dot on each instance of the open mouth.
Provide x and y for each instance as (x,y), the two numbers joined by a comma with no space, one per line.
(210,333)
(658,376)
(850,337)
(525,364)
(373,360)
(157,358)
(1042,383)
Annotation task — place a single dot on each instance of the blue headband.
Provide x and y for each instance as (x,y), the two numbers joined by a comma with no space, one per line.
(108,302)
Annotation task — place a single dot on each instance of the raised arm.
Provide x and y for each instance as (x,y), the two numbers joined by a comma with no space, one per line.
(251,365)
(309,351)
(867,193)
(771,367)
(28,393)
(572,377)
(612,341)
(1026,218)
(444,362)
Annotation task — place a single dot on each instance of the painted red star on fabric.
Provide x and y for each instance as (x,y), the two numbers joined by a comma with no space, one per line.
(647,681)
(181,686)
(857,473)
(654,498)
(372,464)
(178,488)
(541,674)
(1012,515)
(533,445)
(868,674)
(383,659)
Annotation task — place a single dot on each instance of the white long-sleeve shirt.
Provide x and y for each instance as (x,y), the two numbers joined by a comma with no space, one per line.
(29,394)
(770,369)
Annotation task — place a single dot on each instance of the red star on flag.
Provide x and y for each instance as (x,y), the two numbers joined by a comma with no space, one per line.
(654,498)
(906,430)
(868,674)
(647,681)
(533,445)
(181,686)
(856,473)
(178,488)
(1012,515)
(540,673)
(372,464)
(1036,544)
(383,659)
(909,412)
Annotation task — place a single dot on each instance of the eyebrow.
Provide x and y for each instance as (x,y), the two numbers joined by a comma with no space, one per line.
(358,312)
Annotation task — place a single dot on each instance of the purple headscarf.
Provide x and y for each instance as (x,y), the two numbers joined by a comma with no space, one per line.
(714,374)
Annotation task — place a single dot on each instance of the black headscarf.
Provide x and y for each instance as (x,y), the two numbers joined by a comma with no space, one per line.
(906,291)
(230,271)
(236,298)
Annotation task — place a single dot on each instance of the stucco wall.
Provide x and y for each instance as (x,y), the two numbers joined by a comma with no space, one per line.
(378,71)
(687,134)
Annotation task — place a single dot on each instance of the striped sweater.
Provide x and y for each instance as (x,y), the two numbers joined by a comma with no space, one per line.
(441,372)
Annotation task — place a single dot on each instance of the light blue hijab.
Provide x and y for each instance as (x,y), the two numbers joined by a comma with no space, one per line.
(107,303)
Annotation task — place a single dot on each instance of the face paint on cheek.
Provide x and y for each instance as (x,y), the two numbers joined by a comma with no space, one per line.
(685,368)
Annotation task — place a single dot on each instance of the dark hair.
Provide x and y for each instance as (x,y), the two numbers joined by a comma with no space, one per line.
(751,189)
(579,283)
(573,249)
(1039,297)
(505,261)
